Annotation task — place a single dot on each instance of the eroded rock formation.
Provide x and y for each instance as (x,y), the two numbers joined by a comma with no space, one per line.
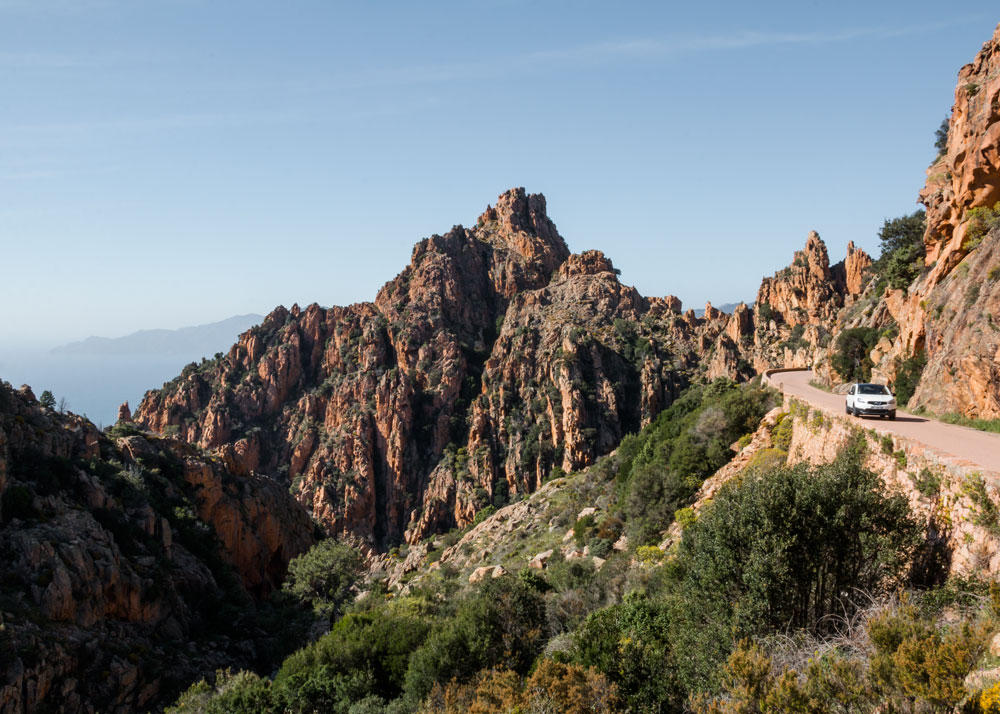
(115,557)
(492,358)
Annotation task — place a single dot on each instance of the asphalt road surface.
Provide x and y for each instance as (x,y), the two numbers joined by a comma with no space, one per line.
(957,443)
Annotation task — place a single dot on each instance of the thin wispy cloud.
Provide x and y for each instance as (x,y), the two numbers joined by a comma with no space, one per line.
(606,52)
(13,133)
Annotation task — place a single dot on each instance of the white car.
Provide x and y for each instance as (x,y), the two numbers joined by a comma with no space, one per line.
(875,399)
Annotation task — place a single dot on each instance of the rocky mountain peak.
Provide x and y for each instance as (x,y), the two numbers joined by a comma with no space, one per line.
(967,174)
(519,222)
(816,257)
(804,292)
(590,262)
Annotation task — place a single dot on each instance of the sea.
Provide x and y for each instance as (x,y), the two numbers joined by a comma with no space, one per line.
(91,385)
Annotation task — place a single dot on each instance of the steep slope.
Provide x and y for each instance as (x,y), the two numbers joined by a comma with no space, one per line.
(126,565)
(950,312)
(397,418)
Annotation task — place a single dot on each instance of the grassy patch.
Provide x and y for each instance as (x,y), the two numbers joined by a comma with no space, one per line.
(992,425)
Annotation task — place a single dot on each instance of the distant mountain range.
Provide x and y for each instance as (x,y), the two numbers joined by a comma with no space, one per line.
(725,307)
(190,342)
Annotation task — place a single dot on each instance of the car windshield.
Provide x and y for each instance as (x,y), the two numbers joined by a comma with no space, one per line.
(872,389)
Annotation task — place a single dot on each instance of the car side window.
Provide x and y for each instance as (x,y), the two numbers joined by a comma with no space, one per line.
(852,390)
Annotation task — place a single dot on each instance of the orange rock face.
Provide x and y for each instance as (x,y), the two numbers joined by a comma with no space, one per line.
(949,313)
(109,549)
(794,316)
(805,292)
(968,174)
(492,358)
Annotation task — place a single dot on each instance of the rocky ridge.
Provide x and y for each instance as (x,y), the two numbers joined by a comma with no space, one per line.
(492,358)
(117,554)
(795,313)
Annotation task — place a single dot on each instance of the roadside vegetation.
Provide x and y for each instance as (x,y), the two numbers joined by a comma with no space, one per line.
(792,590)
(902,256)
(990,425)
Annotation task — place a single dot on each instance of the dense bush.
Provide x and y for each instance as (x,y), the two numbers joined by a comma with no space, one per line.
(903,251)
(784,550)
(630,643)
(662,467)
(913,661)
(908,374)
(503,626)
(766,313)
(552,687)
(981,220)
(323,576)
(364,654)
(851,358)
(240,693)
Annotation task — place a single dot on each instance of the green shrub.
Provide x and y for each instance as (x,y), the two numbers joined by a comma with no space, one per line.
(917,662)
(502,626)
(363,654)
(662,467)
(908,373)
(583,529)
(985,513)
(851,359)
(781,435)
(795,339)
(600,547)
(767,460)
(980,221)
(240,693)
(916,659)
(324,575)
(630,643)
(928,483)
(902,256)
(483,513)
(766,313)
(685,517)
(783,551)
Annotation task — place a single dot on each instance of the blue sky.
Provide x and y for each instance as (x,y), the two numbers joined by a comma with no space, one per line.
(173,162)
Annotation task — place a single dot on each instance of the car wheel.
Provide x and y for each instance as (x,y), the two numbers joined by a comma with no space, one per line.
(892,416)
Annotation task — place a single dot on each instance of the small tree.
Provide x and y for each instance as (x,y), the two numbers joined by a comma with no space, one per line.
(908,373)
(851,359)
(47,399)
(903,251)
(941,136)
(324,575)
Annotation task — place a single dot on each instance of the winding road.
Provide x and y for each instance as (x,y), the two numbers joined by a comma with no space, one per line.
(978,448)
